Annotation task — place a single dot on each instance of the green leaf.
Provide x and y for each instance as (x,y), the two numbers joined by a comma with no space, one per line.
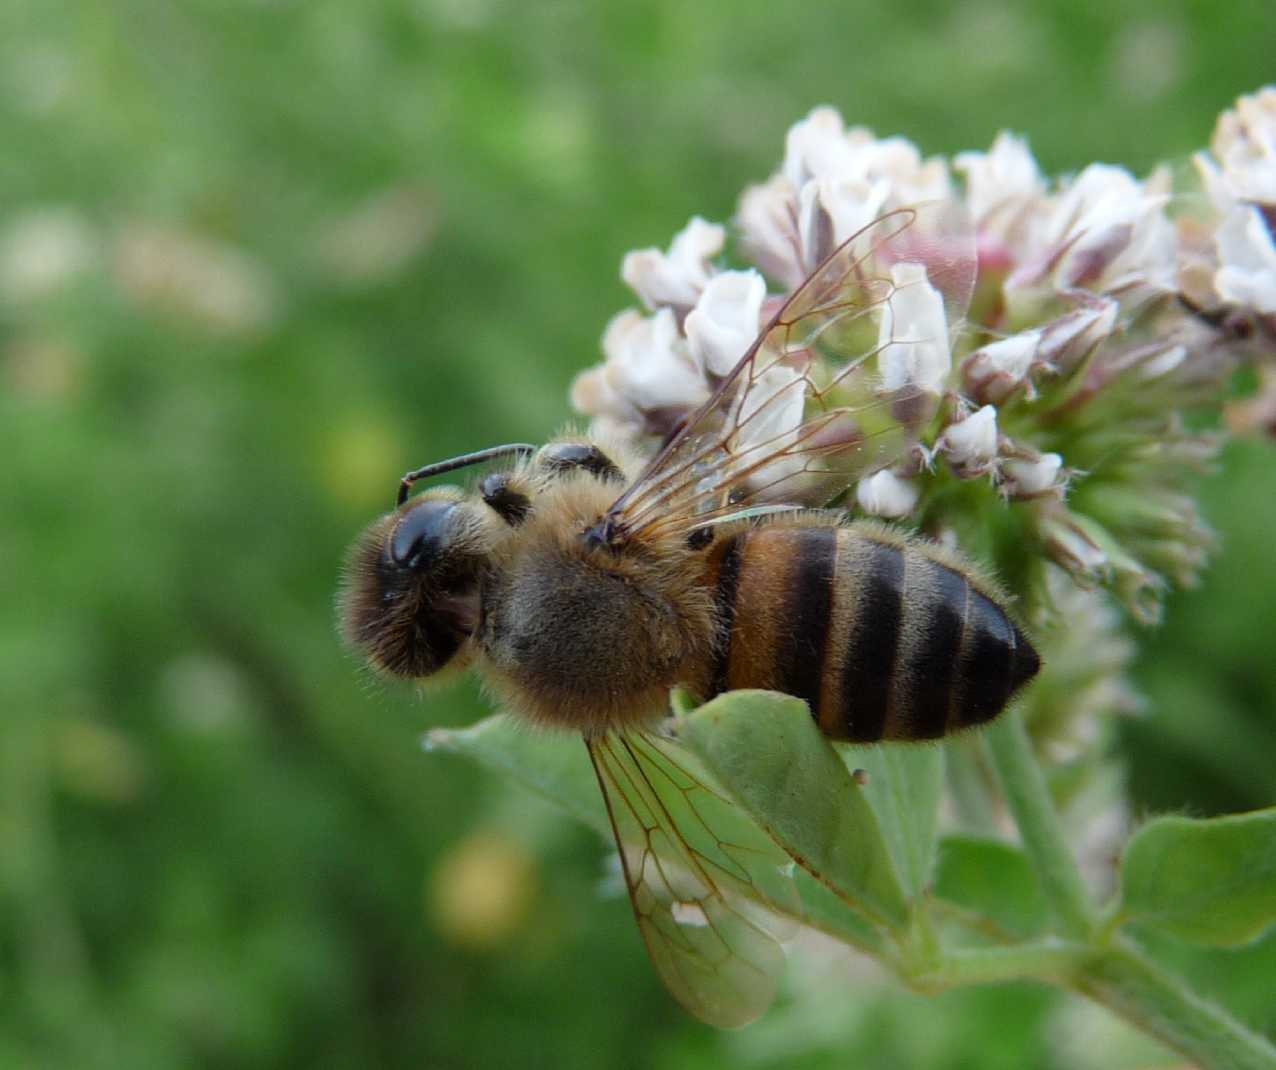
(554,765)
(994,880)
(824,909)
(904,784)
(1208,881)
(766,750)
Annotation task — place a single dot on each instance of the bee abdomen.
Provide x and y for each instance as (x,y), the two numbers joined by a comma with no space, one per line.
(880,638)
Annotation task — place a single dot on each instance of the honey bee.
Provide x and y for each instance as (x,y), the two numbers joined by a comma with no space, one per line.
(584,585)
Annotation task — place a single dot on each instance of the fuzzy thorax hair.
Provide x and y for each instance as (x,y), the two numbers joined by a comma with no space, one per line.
(589,638)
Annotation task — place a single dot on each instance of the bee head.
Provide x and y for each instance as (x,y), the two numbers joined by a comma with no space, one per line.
(411,593)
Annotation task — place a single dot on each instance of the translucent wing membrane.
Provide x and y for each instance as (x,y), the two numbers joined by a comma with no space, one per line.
(701,877)
(834,387)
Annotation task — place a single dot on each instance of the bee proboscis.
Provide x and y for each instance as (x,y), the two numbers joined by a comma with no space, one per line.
(584,585)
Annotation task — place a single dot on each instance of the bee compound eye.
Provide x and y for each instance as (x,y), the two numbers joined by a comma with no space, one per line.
(421,533)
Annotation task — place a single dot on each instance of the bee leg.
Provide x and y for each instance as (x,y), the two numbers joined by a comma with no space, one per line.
(510,505)
(567,456)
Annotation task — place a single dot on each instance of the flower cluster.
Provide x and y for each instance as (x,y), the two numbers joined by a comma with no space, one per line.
(1104,309)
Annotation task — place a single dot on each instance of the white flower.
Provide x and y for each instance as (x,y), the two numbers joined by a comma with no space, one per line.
(378,238)
(971,444)
(593,395)
(648,365)
(725,321)
(899,161)
(993,371)
(1244,144)
(1247,260)
(913,333)
(833,182)
(772,408)
(885,494)
(767,218)
(1032,477)
(770,415)
(217,286)
(677,277)
(817,147)
(1004,173)
(1112,232)
(41,251)
(831,211)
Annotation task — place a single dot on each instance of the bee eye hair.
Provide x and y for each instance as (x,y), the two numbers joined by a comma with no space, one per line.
(421,533)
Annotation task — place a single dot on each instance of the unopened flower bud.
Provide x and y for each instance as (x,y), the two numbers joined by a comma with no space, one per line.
(1071,545)
(885,494)
(992,372)
(1033,477)
(677,277)
(971,443)
(1068,340)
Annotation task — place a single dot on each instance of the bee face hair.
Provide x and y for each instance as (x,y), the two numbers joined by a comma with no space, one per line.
(410,599)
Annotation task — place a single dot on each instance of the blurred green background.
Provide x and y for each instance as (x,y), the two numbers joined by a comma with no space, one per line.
(257,258)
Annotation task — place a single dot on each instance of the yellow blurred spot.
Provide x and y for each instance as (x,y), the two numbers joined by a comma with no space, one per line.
(358,464)
(96,762)
(42,369)
(482,891)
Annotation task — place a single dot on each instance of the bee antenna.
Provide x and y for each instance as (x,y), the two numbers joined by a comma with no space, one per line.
(515,449)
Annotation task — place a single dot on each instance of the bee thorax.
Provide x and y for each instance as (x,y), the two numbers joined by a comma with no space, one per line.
(578,641)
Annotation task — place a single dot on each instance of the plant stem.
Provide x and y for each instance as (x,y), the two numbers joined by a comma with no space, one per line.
(1044,960)
(1029,801)
(1128,983)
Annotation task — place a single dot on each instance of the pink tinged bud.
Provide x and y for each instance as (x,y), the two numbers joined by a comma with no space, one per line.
(675,278)
(1033,478)
(1247,260)
(725,321)
(1066,341)
(992,372)
(884,494)
(648,364)
(913,333)
(833,433)
(971,444)
(1089,257)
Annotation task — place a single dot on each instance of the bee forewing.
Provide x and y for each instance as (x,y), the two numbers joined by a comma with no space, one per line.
(710,890)
(806,411)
